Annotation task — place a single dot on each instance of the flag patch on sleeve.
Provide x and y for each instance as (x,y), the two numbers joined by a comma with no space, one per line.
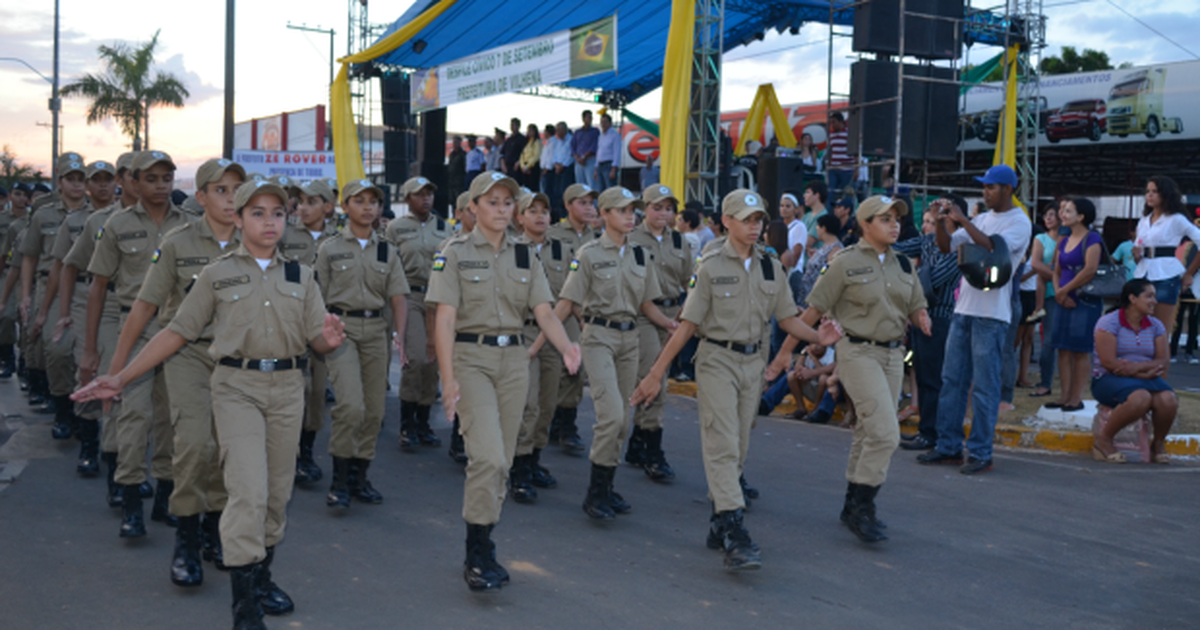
(439,263)
(574,264)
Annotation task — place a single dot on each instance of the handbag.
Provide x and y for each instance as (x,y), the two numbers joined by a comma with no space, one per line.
(1108,281)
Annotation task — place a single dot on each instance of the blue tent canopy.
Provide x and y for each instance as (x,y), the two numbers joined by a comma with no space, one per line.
(472,26)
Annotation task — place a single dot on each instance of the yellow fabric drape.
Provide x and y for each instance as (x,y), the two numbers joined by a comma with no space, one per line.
(765,101)
(1006,139)
(341,112)
(677,89)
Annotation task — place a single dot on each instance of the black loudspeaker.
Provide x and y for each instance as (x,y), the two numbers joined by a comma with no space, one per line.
(777,175)
(930,111)
(431,156)
(395,101)
(399,150)
(876,28)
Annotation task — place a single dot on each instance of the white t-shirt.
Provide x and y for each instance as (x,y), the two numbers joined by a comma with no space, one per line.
(1030,283)
(798,235)
(1168,231)
(1016,229)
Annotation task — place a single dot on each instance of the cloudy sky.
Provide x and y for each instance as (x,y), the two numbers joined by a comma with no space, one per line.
(285,70)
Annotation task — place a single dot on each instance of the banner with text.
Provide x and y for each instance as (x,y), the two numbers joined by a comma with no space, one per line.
(553,58)
(299,165)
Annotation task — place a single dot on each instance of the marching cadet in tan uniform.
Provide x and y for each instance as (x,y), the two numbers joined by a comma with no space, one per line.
(61,349)
(359,274)
(734,292)
(38,250)
(871,291)
(183,253)
(573,231)
(16,212)
(263,312)
(417,236)
(124,252)
(673,260)
(485,284)
(611,282)
(300,244)
(545,365)
(12,291)
(466,221)
(74,267)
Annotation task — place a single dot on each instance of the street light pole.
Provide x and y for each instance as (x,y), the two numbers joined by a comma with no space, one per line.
(227,135)
(326,31)
(55,104)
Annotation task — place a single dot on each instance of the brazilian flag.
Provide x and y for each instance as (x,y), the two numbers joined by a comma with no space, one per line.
(594,48)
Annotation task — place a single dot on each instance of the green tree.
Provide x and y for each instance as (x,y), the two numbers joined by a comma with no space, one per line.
(125,91)
(1072,61)
(13,171)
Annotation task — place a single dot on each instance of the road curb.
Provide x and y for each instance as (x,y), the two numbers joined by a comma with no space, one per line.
(1014,435)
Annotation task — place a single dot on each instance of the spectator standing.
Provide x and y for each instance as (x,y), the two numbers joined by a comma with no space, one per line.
(494,147)
(649,173)
(546,162)
(1187,310)
(529,170)
(456,168)
(808,154)
(1042,260)
(476,160)
(843,209)
(797,234)
(564,172)
(1161,229)
(816,193)
(511,149)
(841,163)
(584,144)
(1123,255)
(608,155)
(978,329)
(1074,266)
(688,223)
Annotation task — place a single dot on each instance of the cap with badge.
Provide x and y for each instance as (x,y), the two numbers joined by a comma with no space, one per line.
(657,193)
(257,177)
(252,189)
(742,203)
(488,180)
(213,170)
(879,204)
(148,159)
(575,191)
(619,197)
(318,188)
(284,182)
(357,186)
(526,201)
(100,166)
(464,200)
(415,185)
(71,163)
(125,162)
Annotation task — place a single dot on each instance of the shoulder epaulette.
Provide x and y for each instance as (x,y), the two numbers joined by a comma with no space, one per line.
(677,239)
(639,255)
(556,249)
(768,268)
(291,271)
(905,263)
(522,254)
(381,251)
(441,224)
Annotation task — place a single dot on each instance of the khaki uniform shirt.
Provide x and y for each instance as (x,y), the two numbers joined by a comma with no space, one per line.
(82,249)
(728,302)
(605,283)
(183,253)
(299,245)
(255,313)
(492,290)
(70,230)
(354,278)
(13,237)
(6,219)
(418,244)
(869,298)
(672,256)
(127,243)
(39,239)
(563,231)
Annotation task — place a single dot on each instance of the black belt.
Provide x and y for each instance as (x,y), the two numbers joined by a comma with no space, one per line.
(416,289)
(266,365)
(1160,252)
(890,345)
(366,314)
(600,321)
(531,322)
(669,302)
(126,309)
(500,341)
(741,348)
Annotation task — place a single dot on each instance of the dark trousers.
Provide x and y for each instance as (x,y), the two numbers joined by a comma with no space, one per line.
(1192,309)
(928,357)
(562,181)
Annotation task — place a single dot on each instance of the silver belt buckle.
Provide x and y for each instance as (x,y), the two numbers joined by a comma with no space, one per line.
(503,340)
(266,365)
(369,313)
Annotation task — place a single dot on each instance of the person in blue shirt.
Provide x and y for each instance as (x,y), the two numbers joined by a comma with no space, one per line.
(1123,255)
(584,145)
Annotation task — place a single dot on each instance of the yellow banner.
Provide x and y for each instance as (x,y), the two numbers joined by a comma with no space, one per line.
(677,90)
(765,101)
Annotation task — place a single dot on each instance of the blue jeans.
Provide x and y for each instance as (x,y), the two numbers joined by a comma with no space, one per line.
(828,403)
(1049,357)
(776,392)
(586,173)
(1009,382)
(974,357)
(603,181)
(839,179)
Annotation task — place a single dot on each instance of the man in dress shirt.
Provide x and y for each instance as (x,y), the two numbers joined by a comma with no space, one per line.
(583,150)
(608,154)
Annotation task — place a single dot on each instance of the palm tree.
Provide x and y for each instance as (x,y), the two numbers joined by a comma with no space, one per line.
(125,91)
(12,171)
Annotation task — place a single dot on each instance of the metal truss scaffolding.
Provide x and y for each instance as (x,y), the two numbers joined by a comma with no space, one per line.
(704,112)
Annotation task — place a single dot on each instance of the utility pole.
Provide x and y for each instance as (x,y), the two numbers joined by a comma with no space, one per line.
(326,31)
(55,104)
(227,135)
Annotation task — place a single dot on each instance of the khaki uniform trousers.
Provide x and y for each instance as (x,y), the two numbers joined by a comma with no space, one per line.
(106,342)
(728,389)
(492,383)
(35,355)
(258,417)
(651,340)
(60,355)
(8,317)
(570,387)
(199,482)
(611,357)
(358,371)
(418,379)
(145,412)
(314,392)
(872,377)
(542,396)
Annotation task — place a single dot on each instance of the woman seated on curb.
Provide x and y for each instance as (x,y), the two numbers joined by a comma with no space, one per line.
(1128,369)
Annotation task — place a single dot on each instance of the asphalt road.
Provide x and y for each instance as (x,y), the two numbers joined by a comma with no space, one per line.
(1043,541)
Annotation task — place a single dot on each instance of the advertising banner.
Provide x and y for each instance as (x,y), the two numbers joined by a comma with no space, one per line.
(553,58)
(299,165)
(1144,104)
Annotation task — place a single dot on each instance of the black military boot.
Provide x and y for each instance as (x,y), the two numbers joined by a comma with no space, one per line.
(615,501)
(596,504)
(115,497)
(635,453)
(568,436)
(408,426)
(490,547)
(273,600)
(89,448)
(845,515)
(479,570)
(64,418)
(39,394)
(247,613)
(862,514)
(741,554)
(716,531)
(339,492)
(539,476)
(359,486)
(185,567)
(555,431)
(519,480)
(425,434)
(161,511)
(458,448)
(210,540)
(22,374)
(307,470)
(748,492)
(7,361)
(655,461)
(133,523)
(146,490)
